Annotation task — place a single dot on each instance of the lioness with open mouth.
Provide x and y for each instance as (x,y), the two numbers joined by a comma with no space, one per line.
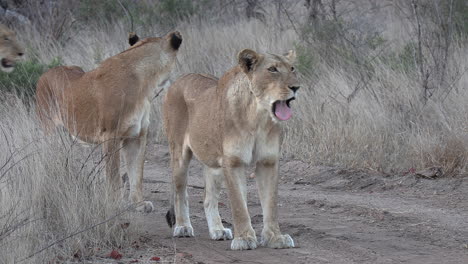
(110,105)
(10,50)
(228,124)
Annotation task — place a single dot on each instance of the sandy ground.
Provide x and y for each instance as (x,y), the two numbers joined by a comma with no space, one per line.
(334,216)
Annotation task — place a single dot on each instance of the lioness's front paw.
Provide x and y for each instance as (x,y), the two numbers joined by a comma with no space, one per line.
(279,241)
(183,231)
(145,207)
(223,234)
(241,243)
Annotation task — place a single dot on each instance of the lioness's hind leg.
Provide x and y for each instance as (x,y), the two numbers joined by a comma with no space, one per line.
(213,181)
(134,151)
(46,109)
(180,163)
(111,151)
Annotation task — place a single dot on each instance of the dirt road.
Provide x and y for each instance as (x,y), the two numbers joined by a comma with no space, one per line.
(333,215)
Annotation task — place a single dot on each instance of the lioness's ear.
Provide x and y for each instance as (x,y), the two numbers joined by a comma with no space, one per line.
(175,39)
(291,56)
(248,59)
(132,38)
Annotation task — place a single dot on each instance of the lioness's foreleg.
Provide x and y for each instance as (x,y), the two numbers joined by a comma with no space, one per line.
(244,235)
(213,182)
(267,182)
(134,152)
(111,151)
(180,163)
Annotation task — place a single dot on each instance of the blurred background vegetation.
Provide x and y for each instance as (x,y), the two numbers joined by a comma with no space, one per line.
(345,33)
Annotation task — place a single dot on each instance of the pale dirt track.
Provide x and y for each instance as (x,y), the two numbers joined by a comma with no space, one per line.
(333,215)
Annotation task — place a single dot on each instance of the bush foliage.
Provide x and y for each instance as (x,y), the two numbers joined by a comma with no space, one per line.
(22,81)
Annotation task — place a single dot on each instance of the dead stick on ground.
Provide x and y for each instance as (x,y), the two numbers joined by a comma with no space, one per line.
(157,94)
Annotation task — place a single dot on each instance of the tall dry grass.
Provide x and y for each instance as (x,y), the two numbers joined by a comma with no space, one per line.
(50,188)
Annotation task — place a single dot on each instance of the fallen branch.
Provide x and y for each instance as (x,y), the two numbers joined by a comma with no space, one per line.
(157,94)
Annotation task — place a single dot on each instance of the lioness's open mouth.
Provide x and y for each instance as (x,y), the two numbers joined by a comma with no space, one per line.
(282,109)
(6,63)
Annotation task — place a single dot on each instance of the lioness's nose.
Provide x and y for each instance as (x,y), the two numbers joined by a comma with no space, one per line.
(294,88)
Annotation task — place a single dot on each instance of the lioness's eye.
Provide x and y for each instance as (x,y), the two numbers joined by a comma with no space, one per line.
(6,38)
(292,69)
(272,69)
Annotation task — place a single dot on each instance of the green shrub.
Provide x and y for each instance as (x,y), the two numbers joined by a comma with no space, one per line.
(460,10)
(22,81)
(305,61)
(339,42)
(404,61)
(143,13)
(177,8)
(170,12)
(91,10)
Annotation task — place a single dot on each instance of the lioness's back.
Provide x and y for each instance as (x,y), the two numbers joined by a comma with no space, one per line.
(187,90)
(180,104)
(194,85)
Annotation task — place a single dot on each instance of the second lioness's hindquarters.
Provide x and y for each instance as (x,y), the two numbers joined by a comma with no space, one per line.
(227,124)
(110,105)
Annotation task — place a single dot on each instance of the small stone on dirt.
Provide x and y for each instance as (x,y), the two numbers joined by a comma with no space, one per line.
(184,255)
(115,254)
(144,239)
(302,182)
(77,254)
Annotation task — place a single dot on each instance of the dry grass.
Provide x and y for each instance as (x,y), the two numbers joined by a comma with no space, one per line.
(49,188)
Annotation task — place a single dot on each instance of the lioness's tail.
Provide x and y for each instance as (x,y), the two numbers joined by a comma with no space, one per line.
(170,216)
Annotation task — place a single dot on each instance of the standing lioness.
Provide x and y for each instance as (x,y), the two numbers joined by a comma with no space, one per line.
(111,105)
(228,124)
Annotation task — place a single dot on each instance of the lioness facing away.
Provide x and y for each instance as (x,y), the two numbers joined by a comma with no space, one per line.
(10,50)
(228,124)
(110,105)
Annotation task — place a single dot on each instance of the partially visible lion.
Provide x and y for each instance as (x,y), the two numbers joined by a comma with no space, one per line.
(228,124)
(110,105)
(10,49)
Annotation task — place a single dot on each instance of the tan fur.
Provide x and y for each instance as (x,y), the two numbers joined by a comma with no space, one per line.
(228,124)
(10,49)
(110,105)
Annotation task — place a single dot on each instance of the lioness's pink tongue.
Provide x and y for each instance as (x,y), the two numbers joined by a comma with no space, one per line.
(282,111)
